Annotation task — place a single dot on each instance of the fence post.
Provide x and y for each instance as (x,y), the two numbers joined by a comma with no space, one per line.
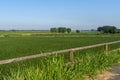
(71,54)
(106,47)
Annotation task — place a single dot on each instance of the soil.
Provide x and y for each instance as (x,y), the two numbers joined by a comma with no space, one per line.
(111,74)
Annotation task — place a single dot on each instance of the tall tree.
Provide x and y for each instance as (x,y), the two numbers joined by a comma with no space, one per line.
(107,29)
(68,30)
(100,29)
(62,29)
(53,30)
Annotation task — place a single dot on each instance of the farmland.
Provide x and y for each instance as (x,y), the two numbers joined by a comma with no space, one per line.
(17,44)
(40,43)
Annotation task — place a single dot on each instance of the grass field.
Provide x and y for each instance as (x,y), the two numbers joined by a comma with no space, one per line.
(13,44)
(26,45)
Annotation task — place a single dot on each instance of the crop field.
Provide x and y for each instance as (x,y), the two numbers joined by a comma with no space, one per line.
(17,44)
(39,43)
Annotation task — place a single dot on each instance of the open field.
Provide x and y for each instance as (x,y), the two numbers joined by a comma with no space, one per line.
(21,46)
(16,45)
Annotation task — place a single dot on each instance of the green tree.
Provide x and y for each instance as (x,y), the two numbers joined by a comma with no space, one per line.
(53,29)
(77,31)
(68,30)
(100,29)
(62,29)
(118,31)
(107,29)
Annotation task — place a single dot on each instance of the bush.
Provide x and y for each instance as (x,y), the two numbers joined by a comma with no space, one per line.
(77,31)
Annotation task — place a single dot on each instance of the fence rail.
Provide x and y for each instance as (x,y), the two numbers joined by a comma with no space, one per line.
(57,52)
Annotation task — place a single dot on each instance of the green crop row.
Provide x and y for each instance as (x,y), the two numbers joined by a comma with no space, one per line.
(11,47)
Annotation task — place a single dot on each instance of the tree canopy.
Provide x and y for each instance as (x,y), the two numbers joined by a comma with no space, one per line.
(107,29)
(77,31)
(61,30)
(53,30)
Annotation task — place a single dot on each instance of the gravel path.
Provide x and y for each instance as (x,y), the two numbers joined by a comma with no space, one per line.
(116,71)
(110,74)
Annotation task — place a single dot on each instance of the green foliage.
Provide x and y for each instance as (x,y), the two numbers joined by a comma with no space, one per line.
(68,30)
(100,29)
(118,31)
(77,31)
(53,30)
(61,30)
(108,29)
(52,68)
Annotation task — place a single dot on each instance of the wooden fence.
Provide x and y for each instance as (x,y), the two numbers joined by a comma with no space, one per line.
(71,52)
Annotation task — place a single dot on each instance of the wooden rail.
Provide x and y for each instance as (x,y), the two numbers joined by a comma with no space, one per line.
(57,52)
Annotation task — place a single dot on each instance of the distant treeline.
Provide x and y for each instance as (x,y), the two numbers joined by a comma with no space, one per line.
(62,30)
(108,29)
(24,30)
(104,29)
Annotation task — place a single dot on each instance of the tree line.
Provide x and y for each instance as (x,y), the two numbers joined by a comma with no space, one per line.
(61,30)
(108,29)
(103,29)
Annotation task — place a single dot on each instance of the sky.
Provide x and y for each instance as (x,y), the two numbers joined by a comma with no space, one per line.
(44,14)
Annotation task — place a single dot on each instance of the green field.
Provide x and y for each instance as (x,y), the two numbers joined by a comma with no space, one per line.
(16,44)
(26,45)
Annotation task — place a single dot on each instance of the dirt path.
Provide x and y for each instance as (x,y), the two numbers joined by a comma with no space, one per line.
(116,71)
(111,74)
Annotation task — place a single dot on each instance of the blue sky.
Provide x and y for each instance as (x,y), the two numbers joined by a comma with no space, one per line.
(44,14)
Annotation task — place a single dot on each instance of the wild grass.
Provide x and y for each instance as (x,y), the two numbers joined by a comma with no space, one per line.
(54,68)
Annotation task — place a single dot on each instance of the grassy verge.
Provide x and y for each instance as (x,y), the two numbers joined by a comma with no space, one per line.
(51,68)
